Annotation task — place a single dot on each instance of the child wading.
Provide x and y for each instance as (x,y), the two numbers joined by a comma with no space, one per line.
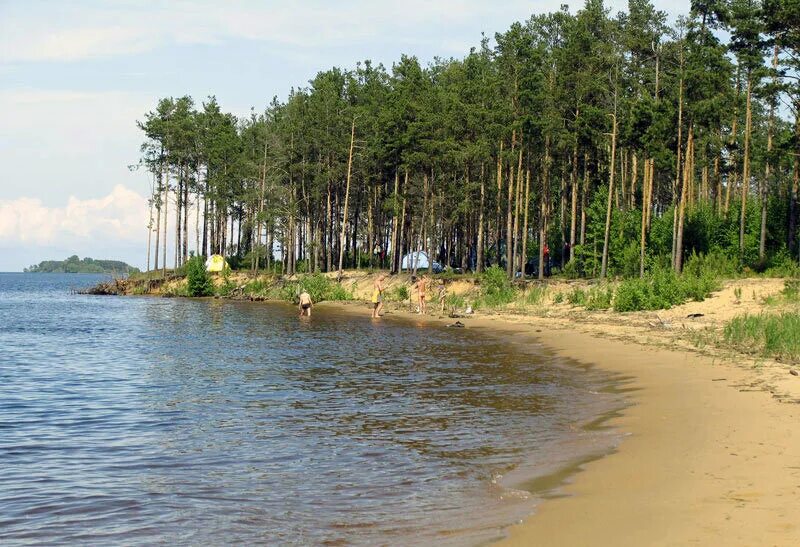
(305,304)
(377,296)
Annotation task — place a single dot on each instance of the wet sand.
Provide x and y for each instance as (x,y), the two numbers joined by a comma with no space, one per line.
(710,458)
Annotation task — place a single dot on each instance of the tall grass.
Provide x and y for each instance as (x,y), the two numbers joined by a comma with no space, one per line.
(769,335)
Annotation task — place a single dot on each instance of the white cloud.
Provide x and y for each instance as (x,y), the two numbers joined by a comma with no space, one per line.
(81,30)
(120,217)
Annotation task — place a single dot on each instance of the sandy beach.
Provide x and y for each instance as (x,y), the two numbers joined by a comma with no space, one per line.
(711,454)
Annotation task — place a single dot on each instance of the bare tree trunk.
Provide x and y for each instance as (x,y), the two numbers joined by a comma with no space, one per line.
(517,199)
(395,224)
(746,168)
(499,194)
(687,182)
(158,222)
(543,214)
(645,208)
(762,240)
(573,223)
(185,215)
(604,262)
(584,195)
(346,197)
(165,205)
(524,253)
(509,208)
(479,251)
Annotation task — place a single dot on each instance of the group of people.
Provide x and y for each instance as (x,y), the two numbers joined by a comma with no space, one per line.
(421,285)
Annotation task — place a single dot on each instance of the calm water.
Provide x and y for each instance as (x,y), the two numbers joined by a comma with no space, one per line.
(147,420)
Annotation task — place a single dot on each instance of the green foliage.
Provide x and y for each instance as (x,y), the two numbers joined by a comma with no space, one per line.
(558,298)
(227,286)
(577,297)
(496,289)
(769,335)
(198,282)
(662,289)
(74,264)
(782,265)
(454,301)
(319,287)
(399,293)
(715,263)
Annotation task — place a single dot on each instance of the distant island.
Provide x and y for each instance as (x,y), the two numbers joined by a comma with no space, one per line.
(74,264)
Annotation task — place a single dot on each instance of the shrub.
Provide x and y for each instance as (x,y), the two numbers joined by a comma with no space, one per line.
(319,287)
(400,293)
(454,301)
(558,298)
(198,282)
(662,289)
(496,289)
(782,265)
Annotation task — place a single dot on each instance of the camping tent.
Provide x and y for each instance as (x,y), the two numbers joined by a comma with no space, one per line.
(420,260)
(216,263)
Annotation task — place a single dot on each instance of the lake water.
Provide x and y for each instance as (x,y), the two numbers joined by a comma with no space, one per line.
(147,420)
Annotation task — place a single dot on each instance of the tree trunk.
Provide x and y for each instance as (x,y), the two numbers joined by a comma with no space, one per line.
(573,222)
(346,196)
(612,169)
(524,239)
(479,251)
(165,205)
(645,209)
(687,181)
(746,168)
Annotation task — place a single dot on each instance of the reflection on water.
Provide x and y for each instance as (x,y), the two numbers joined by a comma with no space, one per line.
(136,420)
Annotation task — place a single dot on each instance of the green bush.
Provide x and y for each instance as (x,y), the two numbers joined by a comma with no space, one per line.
(782,265)
(663,289)
(454,301)
(198,282)
(496,289)
(400,293)
(319,287)
(558,298)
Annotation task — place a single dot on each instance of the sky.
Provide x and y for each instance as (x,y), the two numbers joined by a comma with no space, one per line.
(76,76)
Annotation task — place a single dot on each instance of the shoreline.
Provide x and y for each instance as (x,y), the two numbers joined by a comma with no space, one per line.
(709,456)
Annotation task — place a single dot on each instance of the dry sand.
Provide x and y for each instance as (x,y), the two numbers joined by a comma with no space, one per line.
(712,448)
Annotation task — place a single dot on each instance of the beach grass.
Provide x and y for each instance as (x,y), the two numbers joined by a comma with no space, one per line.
(766,335)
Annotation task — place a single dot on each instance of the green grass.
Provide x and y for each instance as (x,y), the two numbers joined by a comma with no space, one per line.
(577,297)
(599,298)
(767,335)
(535,295)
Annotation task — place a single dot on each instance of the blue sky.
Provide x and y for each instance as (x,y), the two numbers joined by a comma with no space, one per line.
(75,77)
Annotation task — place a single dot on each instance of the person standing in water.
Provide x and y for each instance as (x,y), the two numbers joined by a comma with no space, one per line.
(305,304)
(422,289)
(377,296)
